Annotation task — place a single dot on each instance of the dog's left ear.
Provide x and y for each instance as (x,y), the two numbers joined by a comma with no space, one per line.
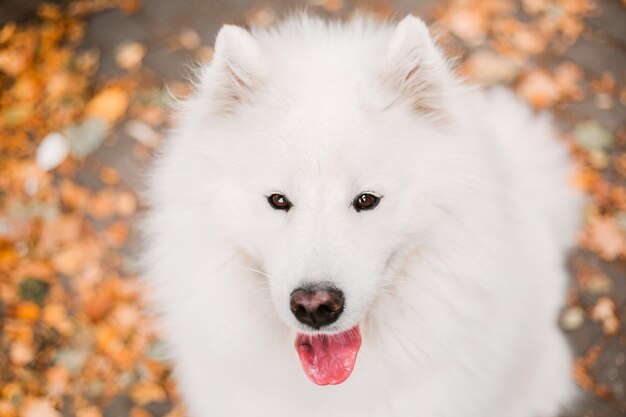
(237,69)
(414,68)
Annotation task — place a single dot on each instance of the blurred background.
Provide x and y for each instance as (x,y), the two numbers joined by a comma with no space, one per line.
(85,87)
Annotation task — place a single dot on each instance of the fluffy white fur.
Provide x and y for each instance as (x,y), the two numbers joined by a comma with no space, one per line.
(456,278)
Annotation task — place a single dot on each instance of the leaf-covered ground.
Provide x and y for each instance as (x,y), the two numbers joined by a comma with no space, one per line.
(84,90)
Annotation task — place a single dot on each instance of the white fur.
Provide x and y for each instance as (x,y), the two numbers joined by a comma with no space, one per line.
(456,278)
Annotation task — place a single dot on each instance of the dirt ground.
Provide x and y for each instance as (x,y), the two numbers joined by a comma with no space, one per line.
(84,90)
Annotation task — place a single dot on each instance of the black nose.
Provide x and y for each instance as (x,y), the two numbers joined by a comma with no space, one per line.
(317,305)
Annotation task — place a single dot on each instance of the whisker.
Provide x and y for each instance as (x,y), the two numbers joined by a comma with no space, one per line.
(393,283)
(255,270)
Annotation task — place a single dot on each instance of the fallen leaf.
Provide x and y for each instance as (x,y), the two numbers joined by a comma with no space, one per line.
(130,54)
(52,150)
(592,136)
(604,236)
(117,234)
(21,353)
(33,289)
(102,204)
(71,260)
(7,31)
(109,176)
(109,104)
(332,5)
(99,303)
(125,203)
(40,407)
(142,133)
(189,39)
(572,318)
(27,310)
(204,54)
(539,89)
(72,359)
(145,392)
(85,138)
(263,17)
(55,315)
(605,312)
(74,196)
(57,381)
(90,411)
(488,67)
(467,23)
(595,283)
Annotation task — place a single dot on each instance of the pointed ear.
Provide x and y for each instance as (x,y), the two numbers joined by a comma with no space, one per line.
(237,69)
(414,68)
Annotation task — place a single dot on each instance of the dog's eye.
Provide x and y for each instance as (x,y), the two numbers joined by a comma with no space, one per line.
(365,201)
(279,202)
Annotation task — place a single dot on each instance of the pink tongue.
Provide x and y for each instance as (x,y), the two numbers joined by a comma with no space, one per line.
(329,359)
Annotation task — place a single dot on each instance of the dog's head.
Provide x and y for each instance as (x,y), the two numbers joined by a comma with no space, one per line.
(326,160)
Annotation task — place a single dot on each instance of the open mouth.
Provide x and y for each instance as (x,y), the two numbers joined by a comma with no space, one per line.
(328,359)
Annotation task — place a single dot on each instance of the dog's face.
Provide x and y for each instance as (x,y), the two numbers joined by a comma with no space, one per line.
(327,172)
(326,207)
(311,173)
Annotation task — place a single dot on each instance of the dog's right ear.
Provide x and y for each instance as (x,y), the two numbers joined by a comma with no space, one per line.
(415,69)
(237,69)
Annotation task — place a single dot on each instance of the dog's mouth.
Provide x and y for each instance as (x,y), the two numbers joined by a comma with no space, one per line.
(328,359)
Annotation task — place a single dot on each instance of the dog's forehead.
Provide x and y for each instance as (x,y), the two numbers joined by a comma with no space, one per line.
(330,142)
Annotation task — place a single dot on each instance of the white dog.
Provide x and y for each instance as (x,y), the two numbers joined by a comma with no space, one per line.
(334,186)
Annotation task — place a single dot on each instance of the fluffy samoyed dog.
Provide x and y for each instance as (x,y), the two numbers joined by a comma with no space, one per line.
(339,227)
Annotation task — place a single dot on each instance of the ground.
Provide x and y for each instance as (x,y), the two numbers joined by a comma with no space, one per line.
(84,91)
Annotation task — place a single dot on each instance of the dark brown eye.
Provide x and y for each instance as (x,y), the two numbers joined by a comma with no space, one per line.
(365,201)
(279,202)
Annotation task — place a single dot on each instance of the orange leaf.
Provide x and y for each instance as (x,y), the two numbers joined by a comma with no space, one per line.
(27,310)
(604,236)
(145,392)
(40,407)
(109,104)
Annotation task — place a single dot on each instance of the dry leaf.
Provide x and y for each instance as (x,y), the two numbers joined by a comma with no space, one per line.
(109,104)
(85,138)
(142,133)
(129,55)
(109,176)
(117,234)
(146,392)
(102,204)
(605,312)
(263,17)
(604,236)
(57,381)
(100,302)
(539,89)
(40,407)
(52,150)
(467,23)
(204,54)
(125,203)
(27,310)
(55,315)
(572,318)
(488,67)
(21,353)
(332,5)
(189,39)
(592,136)
(91,411)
